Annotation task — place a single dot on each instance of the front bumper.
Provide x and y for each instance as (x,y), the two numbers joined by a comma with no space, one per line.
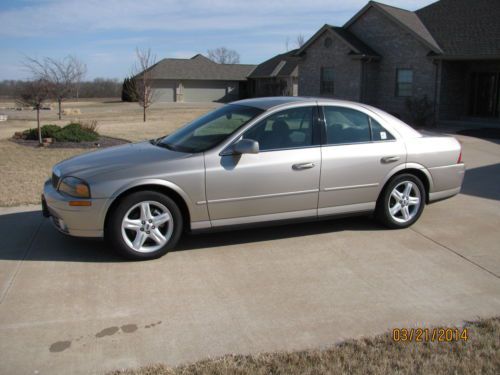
(85,221)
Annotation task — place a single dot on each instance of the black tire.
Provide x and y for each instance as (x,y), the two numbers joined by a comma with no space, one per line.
(113,230)
(382,213)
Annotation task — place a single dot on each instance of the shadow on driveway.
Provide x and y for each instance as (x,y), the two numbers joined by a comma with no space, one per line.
(50,245)
(483,182)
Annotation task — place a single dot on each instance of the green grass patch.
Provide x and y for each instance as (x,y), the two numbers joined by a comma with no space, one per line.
(73,132)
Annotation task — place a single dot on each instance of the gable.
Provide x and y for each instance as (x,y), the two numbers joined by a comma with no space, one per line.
(349,40)
(406,20)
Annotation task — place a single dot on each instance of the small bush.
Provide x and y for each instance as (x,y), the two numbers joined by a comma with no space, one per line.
(48,131)
(76,133)
(90,125)
(421,111)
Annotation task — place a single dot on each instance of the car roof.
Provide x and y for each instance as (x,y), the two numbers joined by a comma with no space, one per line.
(277,101)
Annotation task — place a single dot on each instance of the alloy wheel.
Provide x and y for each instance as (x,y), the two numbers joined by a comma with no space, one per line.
(404,202)
(147,226)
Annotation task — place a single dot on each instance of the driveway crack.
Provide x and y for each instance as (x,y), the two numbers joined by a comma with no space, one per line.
(21,261)
(456,253)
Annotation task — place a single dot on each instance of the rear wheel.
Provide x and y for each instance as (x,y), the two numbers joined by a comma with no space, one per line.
(144,225)
(401,202)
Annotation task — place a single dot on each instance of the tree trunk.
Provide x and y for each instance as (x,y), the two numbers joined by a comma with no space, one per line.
(38,125)
(144,114)
(59,104)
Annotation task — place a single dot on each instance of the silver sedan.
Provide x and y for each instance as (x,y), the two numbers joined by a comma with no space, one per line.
(254,161)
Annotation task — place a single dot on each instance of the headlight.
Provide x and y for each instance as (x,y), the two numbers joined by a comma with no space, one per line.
(74,187)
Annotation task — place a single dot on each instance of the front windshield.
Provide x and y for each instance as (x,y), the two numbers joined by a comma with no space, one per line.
(210,129)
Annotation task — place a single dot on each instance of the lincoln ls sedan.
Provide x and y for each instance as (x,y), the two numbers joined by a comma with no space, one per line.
(253,161)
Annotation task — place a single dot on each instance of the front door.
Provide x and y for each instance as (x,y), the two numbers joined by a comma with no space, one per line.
(279,182)
(357,156)
(485,94)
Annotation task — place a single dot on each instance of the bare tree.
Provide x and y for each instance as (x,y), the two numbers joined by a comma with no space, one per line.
(81,72)
(63,75)
(300,40)
(223,55)
(34,94)
(144,80)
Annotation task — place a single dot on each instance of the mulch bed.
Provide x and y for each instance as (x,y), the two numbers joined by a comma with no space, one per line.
(103,142)
(488,133)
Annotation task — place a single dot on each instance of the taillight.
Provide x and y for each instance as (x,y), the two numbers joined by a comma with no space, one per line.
(459,158)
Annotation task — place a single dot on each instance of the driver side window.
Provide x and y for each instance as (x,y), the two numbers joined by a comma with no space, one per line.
(291,128)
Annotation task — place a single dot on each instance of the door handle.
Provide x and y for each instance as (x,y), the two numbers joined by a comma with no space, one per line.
(301,166)
(389,159)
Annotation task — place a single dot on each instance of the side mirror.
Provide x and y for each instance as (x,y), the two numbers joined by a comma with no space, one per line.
(246,146)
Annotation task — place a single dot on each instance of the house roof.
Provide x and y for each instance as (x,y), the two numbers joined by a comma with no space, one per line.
(406,19)
(357,46)
(464,28)
(281,65)
(199,67)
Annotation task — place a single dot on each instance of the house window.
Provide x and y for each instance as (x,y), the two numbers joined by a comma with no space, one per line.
(404,84)
(326,81)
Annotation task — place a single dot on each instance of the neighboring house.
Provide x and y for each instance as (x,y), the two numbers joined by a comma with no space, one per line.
(276,76)
(198,79)
(448,51)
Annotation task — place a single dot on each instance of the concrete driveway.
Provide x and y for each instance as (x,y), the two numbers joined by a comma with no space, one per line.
(70,306)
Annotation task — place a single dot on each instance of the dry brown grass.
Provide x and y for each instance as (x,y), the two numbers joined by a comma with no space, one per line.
(379,355)
(25,169)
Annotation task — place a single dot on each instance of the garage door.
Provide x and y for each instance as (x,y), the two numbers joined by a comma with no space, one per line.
(164,90)
(204,91)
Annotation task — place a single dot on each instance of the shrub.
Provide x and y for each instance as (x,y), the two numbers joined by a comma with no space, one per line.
(421,111)
(48,131)
(75,132)
(90,125)
(129,90)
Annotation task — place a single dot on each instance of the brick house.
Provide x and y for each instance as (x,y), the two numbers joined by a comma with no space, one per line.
(448,51)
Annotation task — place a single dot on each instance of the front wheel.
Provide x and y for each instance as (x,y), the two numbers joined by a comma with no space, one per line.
(401,202)
(144,225)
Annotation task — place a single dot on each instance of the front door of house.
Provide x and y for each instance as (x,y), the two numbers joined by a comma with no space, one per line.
(485,94)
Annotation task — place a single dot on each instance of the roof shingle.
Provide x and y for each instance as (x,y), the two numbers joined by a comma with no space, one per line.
(464,28)
(199,68)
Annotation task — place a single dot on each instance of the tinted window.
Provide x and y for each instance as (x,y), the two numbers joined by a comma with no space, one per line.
(345,125)
(404,84)
(327,81)
(379,133)
(211,129)
(286,129)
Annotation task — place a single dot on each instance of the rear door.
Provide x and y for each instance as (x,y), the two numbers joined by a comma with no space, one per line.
(357,155)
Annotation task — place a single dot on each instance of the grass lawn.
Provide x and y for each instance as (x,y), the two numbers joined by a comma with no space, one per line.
(379,355)
(25,169)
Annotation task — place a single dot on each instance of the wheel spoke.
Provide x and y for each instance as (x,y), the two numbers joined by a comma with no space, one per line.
(131,224)
(406,212)
(414,201)
(157,237)
(397,195)
(145,211)
(395,209)
(139,240)
(160,219)
(408,188)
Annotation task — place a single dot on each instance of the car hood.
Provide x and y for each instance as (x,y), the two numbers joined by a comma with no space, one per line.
(115,158)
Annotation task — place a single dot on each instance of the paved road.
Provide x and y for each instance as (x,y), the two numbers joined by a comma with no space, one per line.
(71,306)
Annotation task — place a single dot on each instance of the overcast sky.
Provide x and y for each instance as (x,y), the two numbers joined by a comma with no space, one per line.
(105,33)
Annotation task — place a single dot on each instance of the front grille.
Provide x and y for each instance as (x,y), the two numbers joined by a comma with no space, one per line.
(55,180)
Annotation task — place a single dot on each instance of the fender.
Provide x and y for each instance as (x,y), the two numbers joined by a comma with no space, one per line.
(144,182)
(404,166)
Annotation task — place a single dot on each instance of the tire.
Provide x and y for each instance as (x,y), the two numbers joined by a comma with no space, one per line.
(144,225)
(394,194)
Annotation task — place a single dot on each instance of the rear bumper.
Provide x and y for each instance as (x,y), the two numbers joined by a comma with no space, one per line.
(75,221)
(447,181)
